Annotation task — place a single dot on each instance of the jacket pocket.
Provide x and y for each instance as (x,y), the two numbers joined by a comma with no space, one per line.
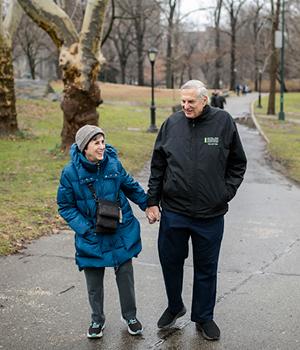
(88,245)
(130,233)
(170,185)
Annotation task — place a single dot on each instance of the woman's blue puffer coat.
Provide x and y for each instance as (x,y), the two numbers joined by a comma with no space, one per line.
(78,207)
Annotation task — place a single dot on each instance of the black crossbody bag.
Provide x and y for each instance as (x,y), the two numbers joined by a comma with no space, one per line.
(108,213)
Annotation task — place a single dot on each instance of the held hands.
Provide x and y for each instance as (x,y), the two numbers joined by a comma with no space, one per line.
(153,214)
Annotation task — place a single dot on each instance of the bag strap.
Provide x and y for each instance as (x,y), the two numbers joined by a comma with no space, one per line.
(92,189)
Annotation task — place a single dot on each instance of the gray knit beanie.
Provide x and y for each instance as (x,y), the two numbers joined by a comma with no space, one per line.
(85,134)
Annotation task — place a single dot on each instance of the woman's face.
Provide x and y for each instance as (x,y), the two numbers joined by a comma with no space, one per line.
(95,149)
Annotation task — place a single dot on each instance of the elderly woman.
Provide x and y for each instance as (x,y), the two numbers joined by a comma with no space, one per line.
(95,173)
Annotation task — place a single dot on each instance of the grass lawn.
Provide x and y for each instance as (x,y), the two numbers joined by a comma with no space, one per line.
(31,163)
(284,136)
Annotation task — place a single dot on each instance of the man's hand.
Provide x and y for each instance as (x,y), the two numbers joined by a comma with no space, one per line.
(153,214)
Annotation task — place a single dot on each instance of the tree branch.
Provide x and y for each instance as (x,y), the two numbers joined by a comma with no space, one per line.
(1,23)
(12,19)
(196,10)
(53,20)
(113,17)
(91,31)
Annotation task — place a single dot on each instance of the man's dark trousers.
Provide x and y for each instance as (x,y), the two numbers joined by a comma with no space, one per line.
(206,234)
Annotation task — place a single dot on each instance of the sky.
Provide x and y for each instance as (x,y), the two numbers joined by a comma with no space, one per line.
(200,18)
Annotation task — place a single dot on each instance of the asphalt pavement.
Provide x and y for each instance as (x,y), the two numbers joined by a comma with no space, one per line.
(43,299)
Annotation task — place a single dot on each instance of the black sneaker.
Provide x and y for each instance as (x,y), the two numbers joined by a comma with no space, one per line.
(95,330)
(134,326)
(209,330)
(168,319)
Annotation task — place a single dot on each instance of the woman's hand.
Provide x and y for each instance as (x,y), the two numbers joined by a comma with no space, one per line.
(153,214)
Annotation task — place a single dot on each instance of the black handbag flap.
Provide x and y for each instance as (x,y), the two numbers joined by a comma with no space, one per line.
(108,208)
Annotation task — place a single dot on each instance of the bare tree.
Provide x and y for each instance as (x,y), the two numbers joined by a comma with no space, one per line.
(121,36)
(251,48)
(233,8)
(80,59)
(218,61)
(169,54)
(121,33)
(31,41)
(145,18)
(8,27)
(275,11)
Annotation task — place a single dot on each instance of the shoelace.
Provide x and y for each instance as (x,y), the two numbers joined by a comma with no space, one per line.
(132,321)
(95,325)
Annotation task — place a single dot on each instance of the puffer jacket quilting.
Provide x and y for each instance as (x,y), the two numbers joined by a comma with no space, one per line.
(78,207)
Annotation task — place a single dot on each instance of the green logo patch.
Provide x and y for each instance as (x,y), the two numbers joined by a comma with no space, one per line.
(211,141)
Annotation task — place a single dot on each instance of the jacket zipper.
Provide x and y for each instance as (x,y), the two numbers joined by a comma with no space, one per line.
(194,164)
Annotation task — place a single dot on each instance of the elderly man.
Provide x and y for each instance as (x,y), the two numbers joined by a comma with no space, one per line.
(197,165)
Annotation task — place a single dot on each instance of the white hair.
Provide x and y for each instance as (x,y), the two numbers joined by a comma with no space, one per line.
(196,85)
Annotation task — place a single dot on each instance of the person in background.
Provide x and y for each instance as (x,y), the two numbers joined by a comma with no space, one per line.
(197,165)
(220,100)
(95,167)
(214,99)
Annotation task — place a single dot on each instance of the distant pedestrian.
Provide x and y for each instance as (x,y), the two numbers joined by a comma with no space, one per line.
(92,198)
(245,89)
(238,89)
(220,100)
(213,99)
(197,165)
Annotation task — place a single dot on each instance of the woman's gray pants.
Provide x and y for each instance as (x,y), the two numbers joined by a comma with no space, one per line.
(125,282)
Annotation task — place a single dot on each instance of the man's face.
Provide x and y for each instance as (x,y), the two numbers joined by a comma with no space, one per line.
(95,149)
(191,104)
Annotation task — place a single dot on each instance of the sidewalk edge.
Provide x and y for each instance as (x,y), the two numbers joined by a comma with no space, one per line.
(258,127)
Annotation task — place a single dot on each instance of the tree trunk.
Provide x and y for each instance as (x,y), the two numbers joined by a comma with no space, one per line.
(32,64)
(8,114)
(80,59)
(140,62)
(255,57)
(8,27)
(232,63)
(273,62)
(169,66)
(79,105)
(80,108)
(218,62)
(233,70)
(169,53)
(123,64)
(139,23)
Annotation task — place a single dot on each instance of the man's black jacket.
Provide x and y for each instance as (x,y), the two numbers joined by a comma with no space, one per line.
(197,164)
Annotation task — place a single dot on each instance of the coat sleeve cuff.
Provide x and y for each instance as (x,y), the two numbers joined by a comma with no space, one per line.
(152,202)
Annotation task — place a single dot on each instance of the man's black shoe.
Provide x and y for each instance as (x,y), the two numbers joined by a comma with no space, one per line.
(209,330)
(168,319)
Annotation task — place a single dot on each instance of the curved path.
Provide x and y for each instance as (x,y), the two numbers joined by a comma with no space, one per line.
(43,303)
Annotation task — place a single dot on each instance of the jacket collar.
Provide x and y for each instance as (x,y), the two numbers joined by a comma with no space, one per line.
(80,161)
(204,114)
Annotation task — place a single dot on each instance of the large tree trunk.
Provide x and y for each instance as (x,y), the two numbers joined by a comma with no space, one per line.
(80,59)
(80,108)
(8,114)
(79,104)
(8,27)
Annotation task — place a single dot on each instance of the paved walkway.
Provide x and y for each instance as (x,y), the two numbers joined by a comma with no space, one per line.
(43,303)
